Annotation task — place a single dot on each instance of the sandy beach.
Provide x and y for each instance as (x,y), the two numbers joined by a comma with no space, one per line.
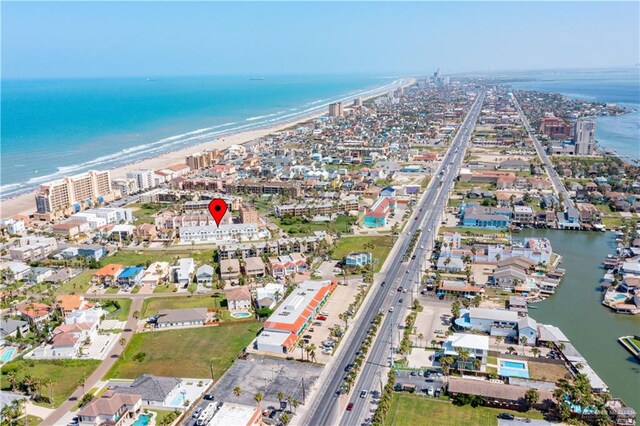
(24,204)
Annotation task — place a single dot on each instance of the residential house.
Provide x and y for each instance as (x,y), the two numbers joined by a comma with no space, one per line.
(508,276)
(112,409)
(269,295)
(188,317)
(72,302)
(19,271)
(238,299)
(204,275)
(10,327)
(155,274)
(183,272)
(358,259)
(155,391)
(130,276)
(35,312)
(476,346)
(108,274)
(287,265)
(229,269)
(500,395)
(254,267)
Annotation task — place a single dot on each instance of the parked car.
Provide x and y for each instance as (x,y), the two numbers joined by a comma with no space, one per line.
(208,397)
(506,416)
(431,391)
(307,336)
(348,367)
(321,318)
(196,413)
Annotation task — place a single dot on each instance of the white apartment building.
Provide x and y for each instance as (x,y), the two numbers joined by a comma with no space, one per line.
(223,233)
(585,134)
(144,178)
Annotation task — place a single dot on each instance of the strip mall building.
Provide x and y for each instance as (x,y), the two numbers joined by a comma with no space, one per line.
(293,316)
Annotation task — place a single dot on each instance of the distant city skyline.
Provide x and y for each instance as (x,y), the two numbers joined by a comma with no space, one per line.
(68,40)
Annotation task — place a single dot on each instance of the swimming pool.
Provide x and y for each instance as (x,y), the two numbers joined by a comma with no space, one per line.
(178,400)
(513,369)
(619,296)
(7,354)
(240,314)
(142,420)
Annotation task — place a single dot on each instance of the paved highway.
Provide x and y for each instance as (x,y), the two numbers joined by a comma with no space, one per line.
(548,165)
(327,407)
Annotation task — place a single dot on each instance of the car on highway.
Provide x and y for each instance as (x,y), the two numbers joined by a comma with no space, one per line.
(416,218)
(399,288)
(196,413)
(404,290)
(400,301)
(350,406)
(348,367)
(382,284)
(363,394)
(506,416)
(391,309)
(208,397)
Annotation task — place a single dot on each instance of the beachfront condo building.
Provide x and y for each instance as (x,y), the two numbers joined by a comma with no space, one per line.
(201,160)
(143,177)
(585,136)
(335,109)
(73,193)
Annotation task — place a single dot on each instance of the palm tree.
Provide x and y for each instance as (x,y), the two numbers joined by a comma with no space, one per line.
(477,363)
(535,351)
(258,398)
(280,397)
(463,355)
(420,337)
(295,403)
(300,344)
(532,397)
(523,342)
(434,342)
(237,391)
(312,351)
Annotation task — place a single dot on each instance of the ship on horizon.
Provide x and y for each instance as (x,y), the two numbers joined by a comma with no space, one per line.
(257,78)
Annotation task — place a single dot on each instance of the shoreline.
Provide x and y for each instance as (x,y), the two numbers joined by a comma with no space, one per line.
(24,203)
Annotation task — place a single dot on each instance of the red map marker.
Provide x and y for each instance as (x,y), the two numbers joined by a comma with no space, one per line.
(217,208)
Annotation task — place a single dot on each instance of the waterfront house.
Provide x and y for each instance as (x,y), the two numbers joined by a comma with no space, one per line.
(528,328)
(508,276)
(496,322)
(500,395)
(476,346)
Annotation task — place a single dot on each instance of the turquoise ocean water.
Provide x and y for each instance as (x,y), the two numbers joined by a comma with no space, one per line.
(53,128)
(620,86)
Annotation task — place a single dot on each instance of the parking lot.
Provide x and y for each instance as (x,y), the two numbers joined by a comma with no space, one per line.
(338,303)
(434,381)
(266,375)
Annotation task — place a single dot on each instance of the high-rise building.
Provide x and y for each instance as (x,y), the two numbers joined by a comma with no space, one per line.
(357,102)
(143,177)
(201,160)
(335,109)
(585,136)
(74,191)
(248,214)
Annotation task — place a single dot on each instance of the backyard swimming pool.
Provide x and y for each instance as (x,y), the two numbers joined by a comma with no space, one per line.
(7,354)
(240,314)
(513,369)
(142,420)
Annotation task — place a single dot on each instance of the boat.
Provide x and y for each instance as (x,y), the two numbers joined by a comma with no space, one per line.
(257,78)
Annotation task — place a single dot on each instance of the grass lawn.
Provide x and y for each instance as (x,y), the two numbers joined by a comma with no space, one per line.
(141,257)
(303,227)
(146,209)
(112,290)
(29,420)
(115,313)
(547,372)
(135,289)
(65,374)
(167,288)
(192,352)
(152,305)
(409,410)
(381,247)
(79,283)
(161,415)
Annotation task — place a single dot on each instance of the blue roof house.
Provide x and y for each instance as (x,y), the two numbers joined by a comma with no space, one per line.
(131,275)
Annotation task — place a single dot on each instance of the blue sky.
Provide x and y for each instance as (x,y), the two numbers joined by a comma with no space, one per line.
(41,40)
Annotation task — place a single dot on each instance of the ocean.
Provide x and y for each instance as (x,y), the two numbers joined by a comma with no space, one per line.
(53,128)
(619,86)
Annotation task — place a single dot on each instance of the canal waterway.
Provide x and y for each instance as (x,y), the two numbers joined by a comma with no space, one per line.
(576,309)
